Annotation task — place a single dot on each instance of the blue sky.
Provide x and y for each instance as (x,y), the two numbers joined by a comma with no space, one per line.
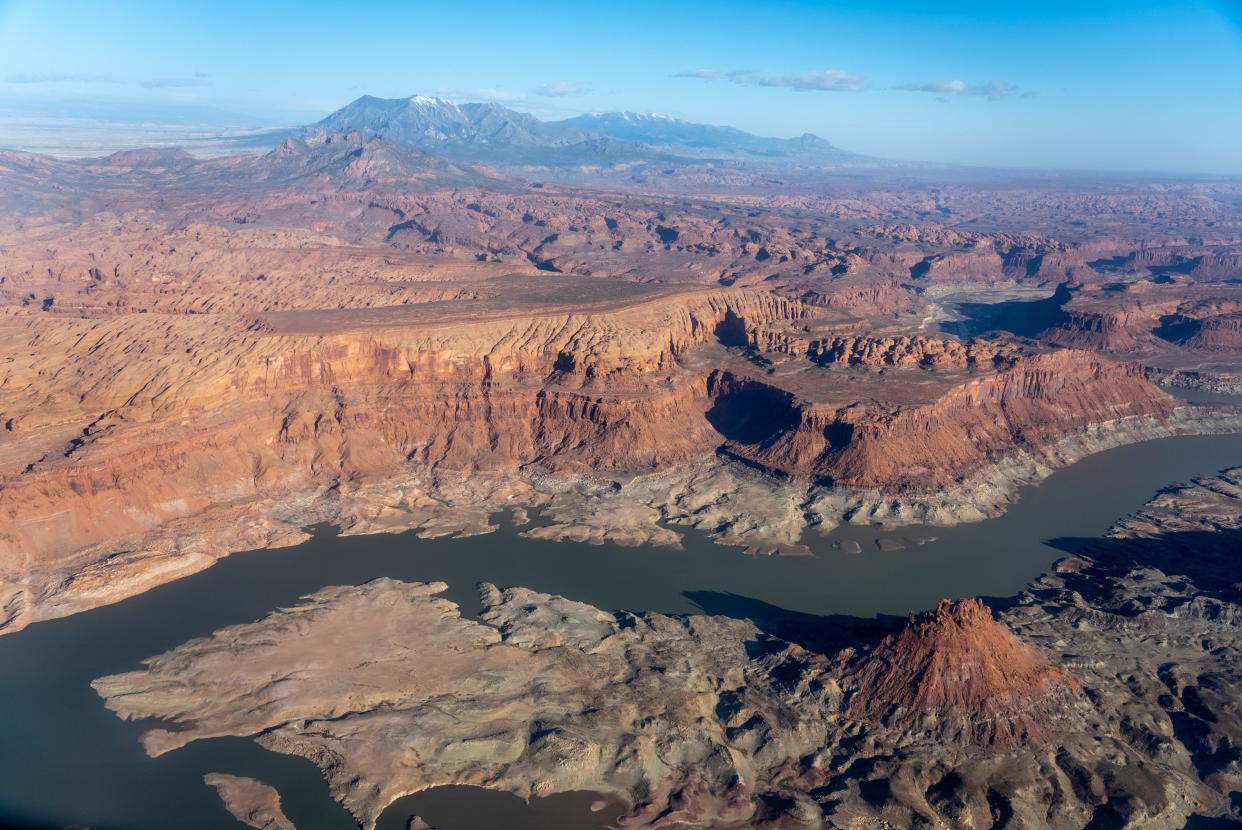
(1092,84)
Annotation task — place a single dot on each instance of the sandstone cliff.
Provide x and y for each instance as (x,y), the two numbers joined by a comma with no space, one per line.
(205,356)
(921,446)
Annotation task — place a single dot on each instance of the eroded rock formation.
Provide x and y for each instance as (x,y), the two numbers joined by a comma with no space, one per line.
(250,801)
(1105,693)
(958,673)
(204,356)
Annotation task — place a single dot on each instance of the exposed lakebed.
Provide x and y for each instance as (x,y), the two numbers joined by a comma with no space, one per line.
(66,759)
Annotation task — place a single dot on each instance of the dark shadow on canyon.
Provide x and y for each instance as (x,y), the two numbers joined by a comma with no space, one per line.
(1177,328)
(1210,559)
(821,633)
(1024,318)
(749,412)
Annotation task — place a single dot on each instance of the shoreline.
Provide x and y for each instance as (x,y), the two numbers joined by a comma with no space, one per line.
(731,505)
(1146,624)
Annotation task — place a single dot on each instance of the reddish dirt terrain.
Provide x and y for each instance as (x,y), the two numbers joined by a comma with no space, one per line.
(981,682)
(203,356)
(388,327)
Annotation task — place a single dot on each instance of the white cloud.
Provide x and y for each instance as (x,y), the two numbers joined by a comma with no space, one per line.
(992,90)
(942,87)
(819,80)
(822,80)
(838,80)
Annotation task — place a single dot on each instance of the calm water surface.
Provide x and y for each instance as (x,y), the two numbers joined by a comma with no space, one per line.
(1203,396)
(64,759)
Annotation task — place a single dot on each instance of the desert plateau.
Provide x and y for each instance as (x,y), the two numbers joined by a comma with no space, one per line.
(476,459)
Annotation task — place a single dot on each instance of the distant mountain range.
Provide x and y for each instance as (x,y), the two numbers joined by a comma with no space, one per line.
(436,124)
(493,134)
(616,146)
(685,138)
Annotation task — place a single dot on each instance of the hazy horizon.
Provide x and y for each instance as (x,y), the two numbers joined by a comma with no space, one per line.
(1141,87)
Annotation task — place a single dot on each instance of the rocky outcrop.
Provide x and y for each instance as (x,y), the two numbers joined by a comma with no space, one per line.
(917,351)
(958,674)
(1141,318)
(877,295)
(1215,382)
(1107,329)
(1106,693)
(250,801)
(1207,505)
(1040,399)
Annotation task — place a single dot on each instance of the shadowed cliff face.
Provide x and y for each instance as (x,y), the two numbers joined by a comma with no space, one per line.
(130,440)
(749,411)
(204,356)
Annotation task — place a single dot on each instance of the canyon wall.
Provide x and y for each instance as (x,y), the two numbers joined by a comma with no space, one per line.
(918,448)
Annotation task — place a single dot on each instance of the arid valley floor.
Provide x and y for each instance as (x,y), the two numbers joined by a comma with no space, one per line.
(419,316)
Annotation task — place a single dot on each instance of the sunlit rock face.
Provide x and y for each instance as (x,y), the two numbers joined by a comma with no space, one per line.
(203,356)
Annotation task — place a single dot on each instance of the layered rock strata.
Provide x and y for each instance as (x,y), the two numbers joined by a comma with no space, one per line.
(204,356)
(426,418)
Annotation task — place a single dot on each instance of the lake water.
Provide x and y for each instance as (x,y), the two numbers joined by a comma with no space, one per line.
(1204,397)
(64,759)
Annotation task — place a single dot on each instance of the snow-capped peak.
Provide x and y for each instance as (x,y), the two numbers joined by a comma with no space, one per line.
(431,101)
